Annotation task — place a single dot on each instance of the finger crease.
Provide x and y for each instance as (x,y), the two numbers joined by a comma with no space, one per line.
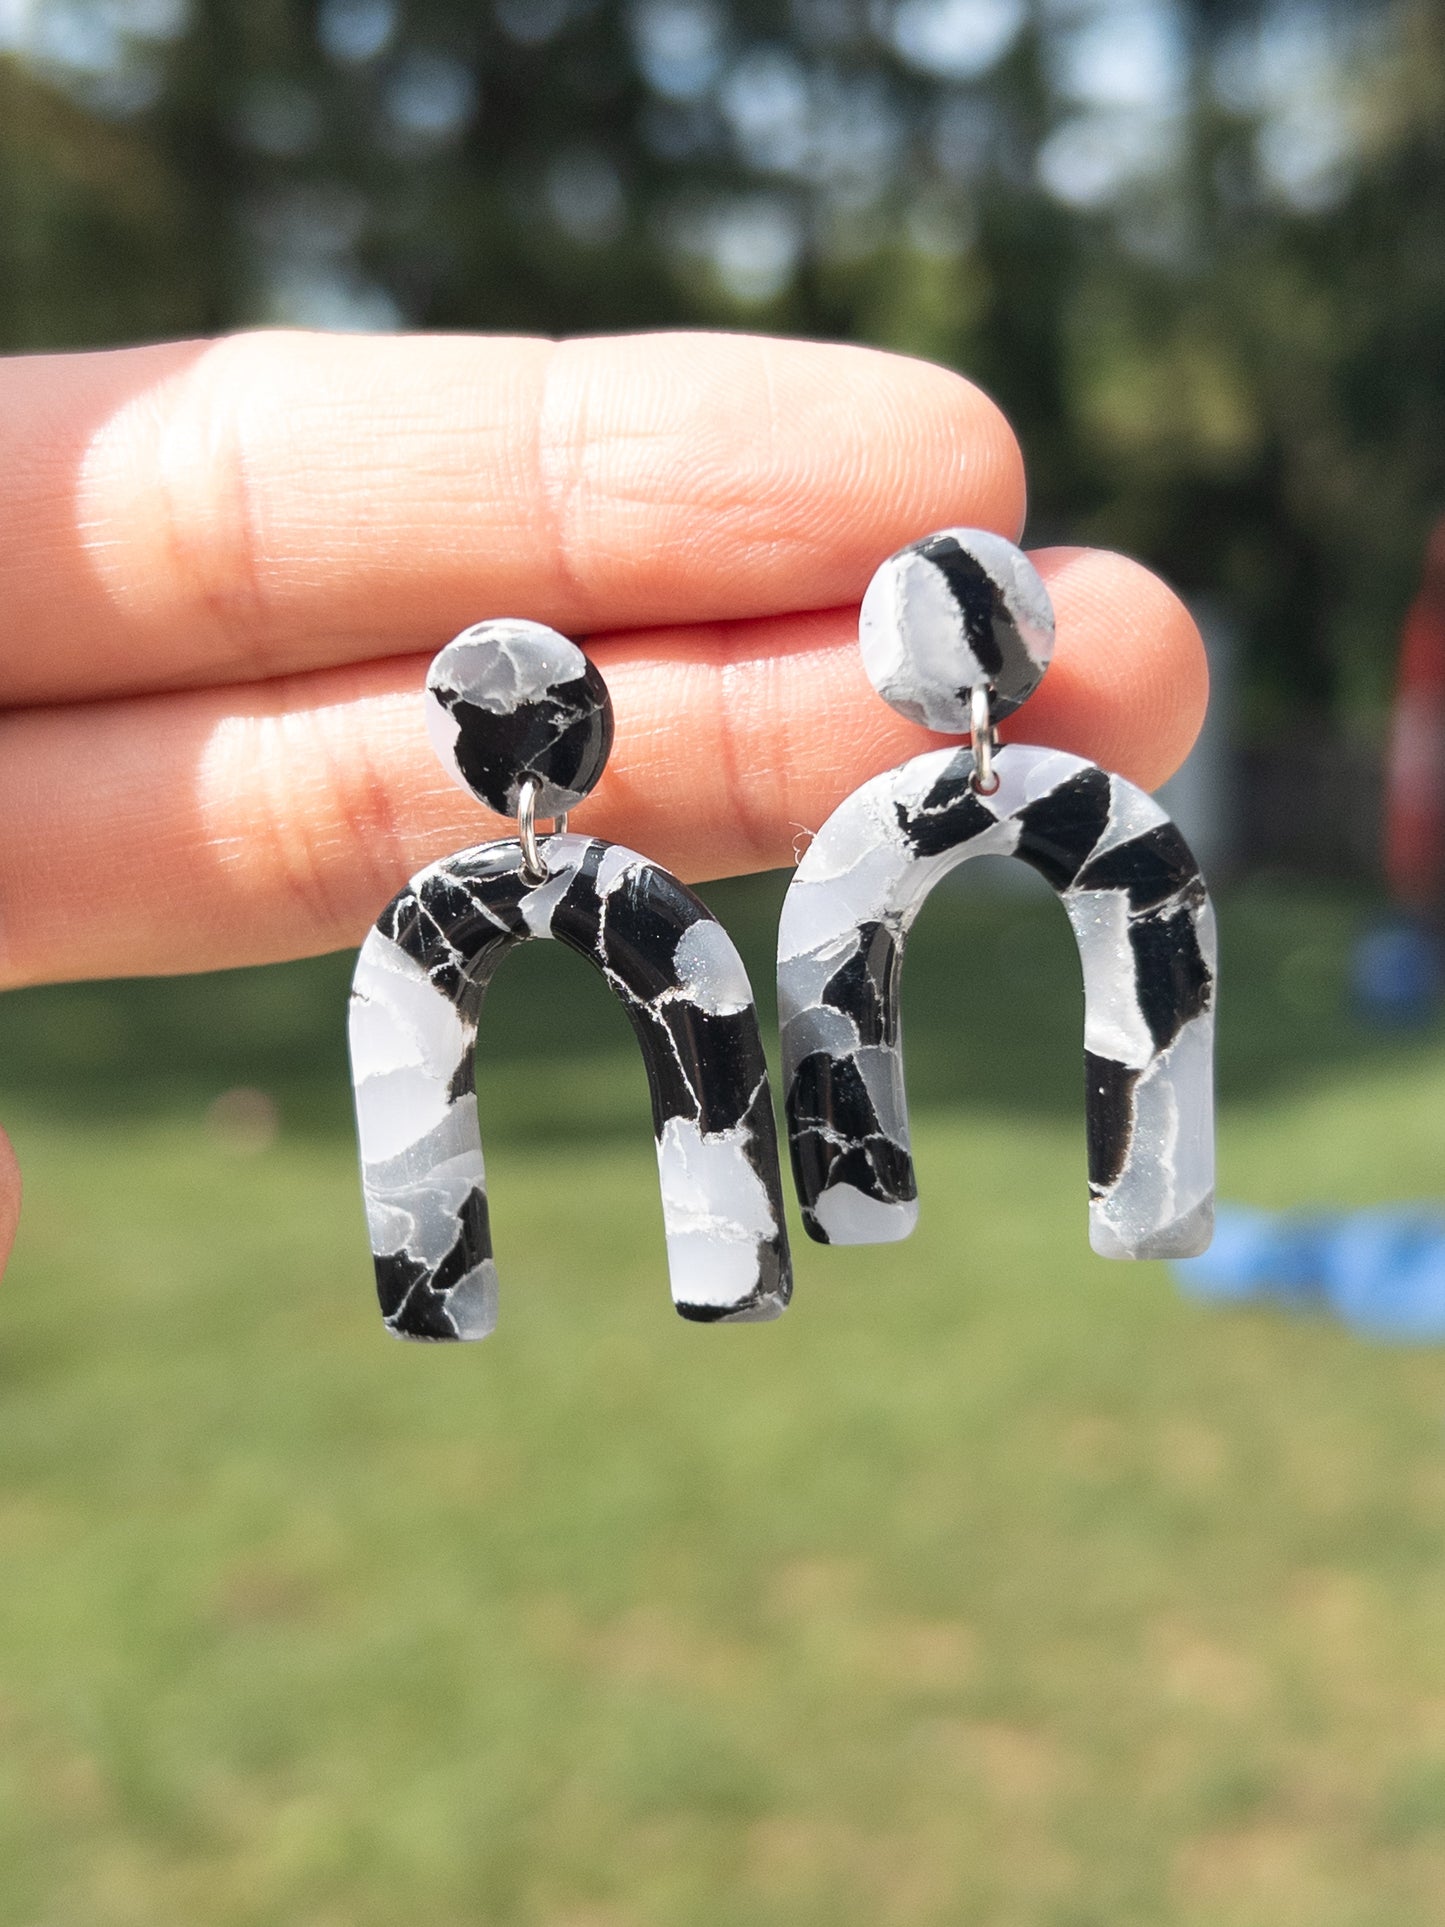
(558,478)
(745,819)
(212,523)
(323,814)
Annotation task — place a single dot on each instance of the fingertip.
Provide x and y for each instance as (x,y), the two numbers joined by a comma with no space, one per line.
(805,463)
(1001,460)
(1129,683)
(956,459)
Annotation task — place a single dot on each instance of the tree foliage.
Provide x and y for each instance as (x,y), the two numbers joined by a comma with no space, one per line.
(1195,247)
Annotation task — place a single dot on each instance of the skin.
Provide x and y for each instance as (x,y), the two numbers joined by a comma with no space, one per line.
(225,565)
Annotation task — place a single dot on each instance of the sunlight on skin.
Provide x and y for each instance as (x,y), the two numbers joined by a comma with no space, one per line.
(225,566)
(299,821)
(279,502)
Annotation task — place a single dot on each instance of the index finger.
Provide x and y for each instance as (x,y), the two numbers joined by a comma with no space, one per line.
(210,512)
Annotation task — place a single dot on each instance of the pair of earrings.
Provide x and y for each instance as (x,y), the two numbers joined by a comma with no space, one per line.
(956,631)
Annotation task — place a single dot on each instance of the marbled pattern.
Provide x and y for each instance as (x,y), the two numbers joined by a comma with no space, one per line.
(417,997)
(960,608)
(1145,932)
(507,700)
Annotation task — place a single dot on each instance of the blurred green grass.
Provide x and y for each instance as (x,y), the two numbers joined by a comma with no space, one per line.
(995,1584)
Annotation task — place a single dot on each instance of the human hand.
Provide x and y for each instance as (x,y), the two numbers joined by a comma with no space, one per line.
(224,567)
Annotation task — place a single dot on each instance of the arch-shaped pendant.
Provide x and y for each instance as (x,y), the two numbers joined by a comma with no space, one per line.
(416,1000)
(1144,927)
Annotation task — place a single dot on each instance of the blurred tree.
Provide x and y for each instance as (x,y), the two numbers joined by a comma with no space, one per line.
(1195,247)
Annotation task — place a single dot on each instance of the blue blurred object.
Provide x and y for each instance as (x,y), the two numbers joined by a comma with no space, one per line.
(1384,1273)
(1380,1272)
(1395,975)
(1258,1254)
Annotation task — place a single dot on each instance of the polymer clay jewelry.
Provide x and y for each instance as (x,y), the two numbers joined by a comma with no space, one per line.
(522,720)
(956,631)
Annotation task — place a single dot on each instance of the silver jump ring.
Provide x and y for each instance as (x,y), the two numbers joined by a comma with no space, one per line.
(985,741)
(534,869)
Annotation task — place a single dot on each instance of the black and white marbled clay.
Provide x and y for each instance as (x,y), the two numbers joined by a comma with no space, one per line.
(938,620)
(523,720)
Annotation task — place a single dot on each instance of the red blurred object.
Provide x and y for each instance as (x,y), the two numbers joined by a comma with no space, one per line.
(1415,772)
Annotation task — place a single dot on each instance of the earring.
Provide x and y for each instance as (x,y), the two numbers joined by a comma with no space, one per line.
(956,631)
(523,721)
